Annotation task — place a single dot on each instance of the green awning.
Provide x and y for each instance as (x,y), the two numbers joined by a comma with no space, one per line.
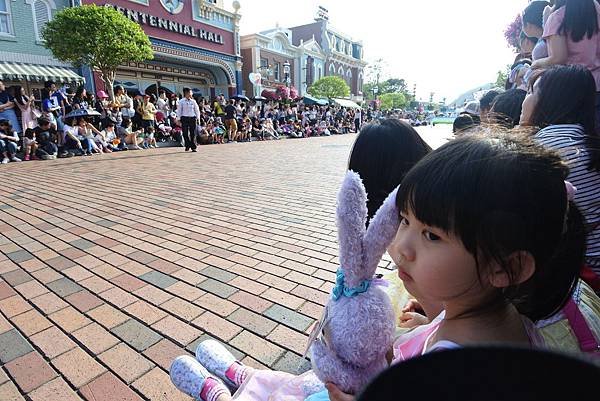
(346,103)
(309,100)
(37,72)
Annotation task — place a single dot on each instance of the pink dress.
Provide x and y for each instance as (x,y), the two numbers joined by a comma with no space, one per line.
(27,118)
(586,52)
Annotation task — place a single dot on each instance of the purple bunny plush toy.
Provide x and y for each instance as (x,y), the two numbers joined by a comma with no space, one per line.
(358,324)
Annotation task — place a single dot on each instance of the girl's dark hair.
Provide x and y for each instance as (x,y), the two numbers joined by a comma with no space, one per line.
(18,96)
(79,91)
(486,101)
(507,106)
(581,19)
(533,13)
(499,195)
(382,154)
(29,133)
(462,122)
(567,95)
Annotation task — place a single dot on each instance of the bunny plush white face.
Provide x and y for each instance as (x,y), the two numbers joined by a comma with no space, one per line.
(360,320)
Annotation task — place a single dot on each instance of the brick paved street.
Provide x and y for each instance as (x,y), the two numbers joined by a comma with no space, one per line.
(115,264)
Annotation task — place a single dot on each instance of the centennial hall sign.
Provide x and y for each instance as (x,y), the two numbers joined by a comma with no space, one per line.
(169,25)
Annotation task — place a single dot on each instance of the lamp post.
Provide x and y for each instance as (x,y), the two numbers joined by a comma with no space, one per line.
(286,73)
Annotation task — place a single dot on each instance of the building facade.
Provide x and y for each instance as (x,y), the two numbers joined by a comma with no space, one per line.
(343,56)
(313,51)
(267,53)
(196,44)
(24,61)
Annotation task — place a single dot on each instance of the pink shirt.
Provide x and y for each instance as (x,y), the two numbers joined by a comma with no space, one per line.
(585,52)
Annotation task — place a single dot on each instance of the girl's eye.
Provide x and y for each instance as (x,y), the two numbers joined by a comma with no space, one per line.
(403,221)
(431,236)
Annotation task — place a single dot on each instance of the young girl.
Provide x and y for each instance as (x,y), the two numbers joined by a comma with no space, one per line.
(149,140)
(29,145)
(485,225)
(86,133)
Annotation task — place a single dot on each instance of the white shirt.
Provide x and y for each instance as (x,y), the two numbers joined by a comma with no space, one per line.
(188,108)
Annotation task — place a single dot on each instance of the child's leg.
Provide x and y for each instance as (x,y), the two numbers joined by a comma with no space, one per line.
(190,377)
(218,360)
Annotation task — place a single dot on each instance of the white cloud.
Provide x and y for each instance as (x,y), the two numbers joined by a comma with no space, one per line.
(446,47)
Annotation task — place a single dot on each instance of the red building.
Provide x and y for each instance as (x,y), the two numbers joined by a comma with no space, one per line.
(195,43)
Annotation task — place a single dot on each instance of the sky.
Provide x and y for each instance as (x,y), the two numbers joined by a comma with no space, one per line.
(445,47)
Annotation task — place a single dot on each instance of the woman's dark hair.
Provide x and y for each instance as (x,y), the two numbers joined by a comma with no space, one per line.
(125,122)
(486,101)
(534,13)
(500,195)
(19,96)
(581,19)
(567,95)
(382,154)
(29,133)
(79,92)
(506,110)
(462,122)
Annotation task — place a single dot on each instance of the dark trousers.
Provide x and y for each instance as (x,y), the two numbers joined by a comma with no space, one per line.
(188,126)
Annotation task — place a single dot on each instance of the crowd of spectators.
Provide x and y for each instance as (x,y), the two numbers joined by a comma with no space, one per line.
(65,124)
(554,96)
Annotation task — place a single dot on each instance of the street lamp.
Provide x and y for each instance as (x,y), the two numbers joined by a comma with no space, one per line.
(286,72)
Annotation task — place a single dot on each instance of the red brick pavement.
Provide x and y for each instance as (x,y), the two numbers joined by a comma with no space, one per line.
(112,265)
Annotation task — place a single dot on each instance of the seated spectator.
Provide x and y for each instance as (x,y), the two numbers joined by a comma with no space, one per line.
(45,137)
(87,134)
(29,144)
(561,102)
(109,139)
(485,103)
(506,109)
(128,136)
(71,142)
(462,124)
(269,129)
(9,140)
(7,108)
(257,130)
(149,139)
(114,114)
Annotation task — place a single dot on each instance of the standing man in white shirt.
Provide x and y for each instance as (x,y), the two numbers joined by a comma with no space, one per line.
(188,115)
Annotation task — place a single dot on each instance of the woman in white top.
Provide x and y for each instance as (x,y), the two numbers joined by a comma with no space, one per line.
(561,102)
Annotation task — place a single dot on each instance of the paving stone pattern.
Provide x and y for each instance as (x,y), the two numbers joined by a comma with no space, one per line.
(113,265)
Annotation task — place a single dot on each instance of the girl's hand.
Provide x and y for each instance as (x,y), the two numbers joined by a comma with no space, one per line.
(335,394)
(408,320)
(413,306)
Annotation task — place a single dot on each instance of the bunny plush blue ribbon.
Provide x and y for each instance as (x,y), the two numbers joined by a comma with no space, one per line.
(341,290)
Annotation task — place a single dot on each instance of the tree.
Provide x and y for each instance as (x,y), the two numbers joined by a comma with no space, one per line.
(329,87)
(393,85)
(502,76)
(100,37)
(390,101)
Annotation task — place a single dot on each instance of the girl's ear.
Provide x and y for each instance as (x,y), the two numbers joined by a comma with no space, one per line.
(520,266)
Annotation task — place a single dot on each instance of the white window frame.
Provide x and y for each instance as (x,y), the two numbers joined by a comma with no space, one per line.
(341,71)
(331,69)
(50,6)
(11,26)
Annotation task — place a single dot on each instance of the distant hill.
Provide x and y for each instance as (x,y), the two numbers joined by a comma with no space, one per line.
(473,94)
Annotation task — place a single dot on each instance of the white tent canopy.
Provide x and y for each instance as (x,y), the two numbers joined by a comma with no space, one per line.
(346,103)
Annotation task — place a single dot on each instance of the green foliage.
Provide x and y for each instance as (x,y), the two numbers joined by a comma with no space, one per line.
(502,76)
(329,87)
(390,101)
(100,37)
(392,85)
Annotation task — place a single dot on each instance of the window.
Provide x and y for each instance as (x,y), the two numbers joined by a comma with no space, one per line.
(277,72)
(331,69)
(5,18)
(320,73)
(341,71)
(41,15)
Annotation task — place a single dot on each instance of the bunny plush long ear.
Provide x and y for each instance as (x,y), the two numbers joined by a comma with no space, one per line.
(380,233)
(351,220)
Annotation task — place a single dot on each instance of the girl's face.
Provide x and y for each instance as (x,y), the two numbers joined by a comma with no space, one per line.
(529,104)
(433,264)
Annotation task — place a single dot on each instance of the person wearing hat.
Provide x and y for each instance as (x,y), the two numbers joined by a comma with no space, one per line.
(472,109)
(188,114)
(101,105)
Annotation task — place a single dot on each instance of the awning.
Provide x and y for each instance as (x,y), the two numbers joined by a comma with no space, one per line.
(346,103)
(37,72)
(309,100)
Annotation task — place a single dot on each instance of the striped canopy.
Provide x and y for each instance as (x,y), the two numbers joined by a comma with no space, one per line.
(36,72)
